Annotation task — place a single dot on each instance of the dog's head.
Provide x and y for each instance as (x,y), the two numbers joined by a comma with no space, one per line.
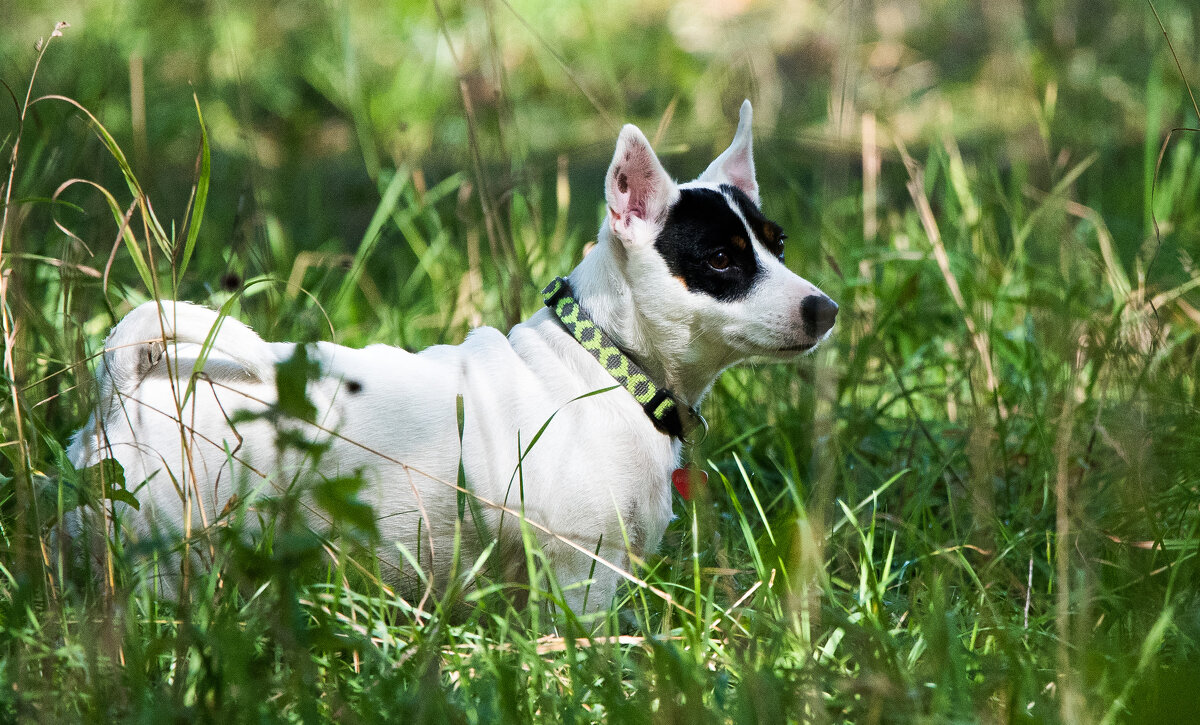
(704,264)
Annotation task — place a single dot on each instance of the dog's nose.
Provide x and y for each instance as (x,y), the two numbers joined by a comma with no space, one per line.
(818,313)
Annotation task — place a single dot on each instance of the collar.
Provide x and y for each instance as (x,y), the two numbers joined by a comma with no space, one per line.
(669,414)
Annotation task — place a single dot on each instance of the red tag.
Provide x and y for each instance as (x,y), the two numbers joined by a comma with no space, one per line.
(687,477)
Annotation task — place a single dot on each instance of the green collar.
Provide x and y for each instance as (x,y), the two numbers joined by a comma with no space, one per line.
(668,413)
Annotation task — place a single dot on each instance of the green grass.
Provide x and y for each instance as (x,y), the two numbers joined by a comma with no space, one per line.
(978,502)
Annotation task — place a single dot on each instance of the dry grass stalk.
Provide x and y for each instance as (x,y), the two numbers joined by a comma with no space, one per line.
(979,337)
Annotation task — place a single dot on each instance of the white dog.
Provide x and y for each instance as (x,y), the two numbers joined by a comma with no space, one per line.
(685,280)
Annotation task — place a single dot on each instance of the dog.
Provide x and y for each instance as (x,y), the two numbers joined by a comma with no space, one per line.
(684,281)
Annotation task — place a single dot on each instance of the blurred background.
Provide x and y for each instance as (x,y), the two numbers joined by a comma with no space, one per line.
(309,104)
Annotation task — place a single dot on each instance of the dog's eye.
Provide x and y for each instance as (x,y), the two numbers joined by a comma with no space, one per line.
(718,260)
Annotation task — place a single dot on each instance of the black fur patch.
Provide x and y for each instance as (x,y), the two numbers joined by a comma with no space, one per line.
(701,229)
(353,386)
(768,232)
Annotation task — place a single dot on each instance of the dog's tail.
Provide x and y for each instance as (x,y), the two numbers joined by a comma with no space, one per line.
(139,341)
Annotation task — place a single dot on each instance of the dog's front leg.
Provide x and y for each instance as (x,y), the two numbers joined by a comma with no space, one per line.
(587,578)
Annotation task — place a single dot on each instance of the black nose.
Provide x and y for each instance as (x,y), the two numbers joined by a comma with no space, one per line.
(818,313)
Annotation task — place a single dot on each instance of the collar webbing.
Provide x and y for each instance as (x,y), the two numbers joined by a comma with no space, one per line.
(667,412)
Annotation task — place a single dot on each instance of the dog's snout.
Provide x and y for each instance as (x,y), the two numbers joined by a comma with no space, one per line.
(818,313)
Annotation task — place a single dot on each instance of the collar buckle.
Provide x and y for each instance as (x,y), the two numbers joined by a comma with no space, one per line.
(664,412)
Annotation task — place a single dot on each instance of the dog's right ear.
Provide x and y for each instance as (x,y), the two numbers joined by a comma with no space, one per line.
(637,188)
(736,164)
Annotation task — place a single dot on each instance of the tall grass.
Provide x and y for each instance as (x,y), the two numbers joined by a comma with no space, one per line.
(978,503)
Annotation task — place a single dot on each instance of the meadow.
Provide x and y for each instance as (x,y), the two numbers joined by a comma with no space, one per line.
(978,502)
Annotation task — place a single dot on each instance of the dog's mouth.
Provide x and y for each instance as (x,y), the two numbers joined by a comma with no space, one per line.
(802,347)
(764,349)
(784,354)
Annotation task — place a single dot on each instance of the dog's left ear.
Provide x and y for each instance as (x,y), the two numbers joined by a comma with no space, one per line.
(637,188)
(736,165)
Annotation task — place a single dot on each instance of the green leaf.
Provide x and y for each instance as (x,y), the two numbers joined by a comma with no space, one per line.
(107,478)
(197,211)
(339,498)
(391,197)
(462,476)
(291,380)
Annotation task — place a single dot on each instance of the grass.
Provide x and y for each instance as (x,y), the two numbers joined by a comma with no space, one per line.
(979,503)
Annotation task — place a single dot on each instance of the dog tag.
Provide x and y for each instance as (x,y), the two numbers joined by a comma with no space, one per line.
(686,478)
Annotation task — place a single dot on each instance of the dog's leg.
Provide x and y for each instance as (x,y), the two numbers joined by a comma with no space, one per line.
(587,582)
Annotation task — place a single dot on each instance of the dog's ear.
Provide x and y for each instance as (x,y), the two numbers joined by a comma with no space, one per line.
(637,188)
(736,165)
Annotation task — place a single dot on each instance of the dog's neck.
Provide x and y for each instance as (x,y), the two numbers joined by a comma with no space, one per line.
(667,355)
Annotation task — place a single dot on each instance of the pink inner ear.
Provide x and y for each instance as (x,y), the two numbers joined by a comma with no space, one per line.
(735,166)
(636,184)
(738,169)
(631,197)
(740,177)
(636,205)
